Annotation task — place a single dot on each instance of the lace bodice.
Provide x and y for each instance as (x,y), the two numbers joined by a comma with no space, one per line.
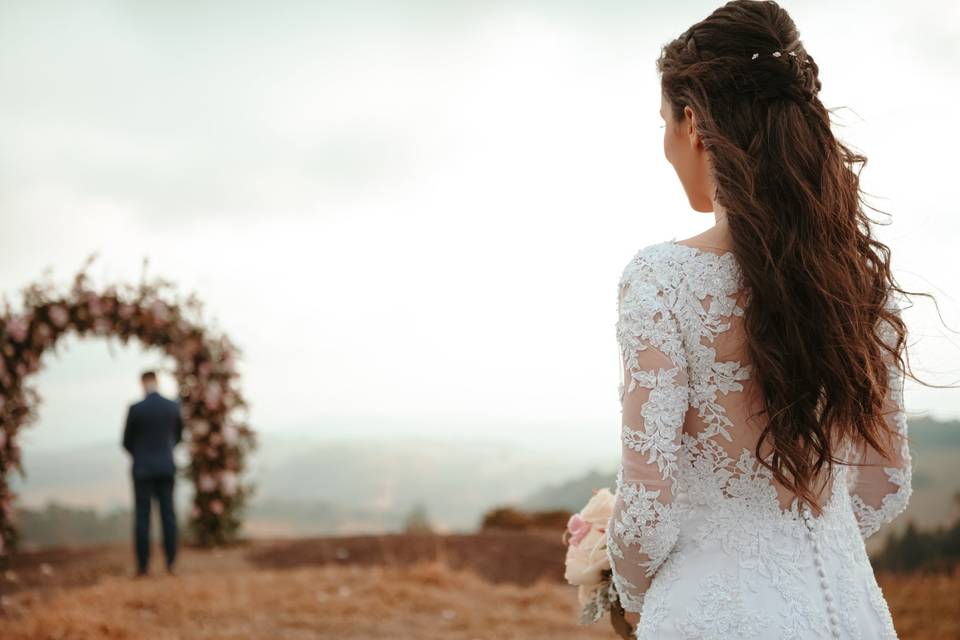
(688,476)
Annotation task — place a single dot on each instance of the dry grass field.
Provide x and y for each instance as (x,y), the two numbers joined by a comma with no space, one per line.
(487,586)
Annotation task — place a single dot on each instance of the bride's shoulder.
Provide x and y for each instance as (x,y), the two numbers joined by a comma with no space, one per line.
(671,265)
(655,263)
(652,278)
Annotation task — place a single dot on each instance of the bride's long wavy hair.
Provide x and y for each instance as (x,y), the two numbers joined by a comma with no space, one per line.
(818,282)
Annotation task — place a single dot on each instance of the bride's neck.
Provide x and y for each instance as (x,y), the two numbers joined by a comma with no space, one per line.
(719,233)
(720,214)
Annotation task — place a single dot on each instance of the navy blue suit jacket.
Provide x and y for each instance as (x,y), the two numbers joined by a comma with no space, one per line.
(154,427)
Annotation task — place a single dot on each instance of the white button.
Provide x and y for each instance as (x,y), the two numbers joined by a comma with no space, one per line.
(824,583)
(829,599)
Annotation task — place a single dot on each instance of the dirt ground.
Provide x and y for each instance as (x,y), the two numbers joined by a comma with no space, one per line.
(462,587)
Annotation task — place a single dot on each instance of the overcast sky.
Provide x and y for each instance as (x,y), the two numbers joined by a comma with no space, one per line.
(412,216)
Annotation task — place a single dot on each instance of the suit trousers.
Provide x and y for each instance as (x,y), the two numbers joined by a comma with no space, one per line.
(145,490)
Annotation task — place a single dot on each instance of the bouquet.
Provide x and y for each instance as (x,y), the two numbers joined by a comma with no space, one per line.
(587,565)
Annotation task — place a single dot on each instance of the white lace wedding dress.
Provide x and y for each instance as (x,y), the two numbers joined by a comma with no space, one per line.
(703,542)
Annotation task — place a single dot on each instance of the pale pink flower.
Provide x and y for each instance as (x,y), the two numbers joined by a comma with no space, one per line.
(228,482)
(18,327)
(599,508)
(578,528)
(231,435)
(199,427)
(44,332)
(59,316)
(206,483)
(216,506)
(95,306)
(212,396)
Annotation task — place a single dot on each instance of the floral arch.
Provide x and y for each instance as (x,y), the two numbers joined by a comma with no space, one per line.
(205,370)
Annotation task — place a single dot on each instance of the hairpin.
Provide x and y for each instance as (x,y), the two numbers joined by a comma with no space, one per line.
(776,54)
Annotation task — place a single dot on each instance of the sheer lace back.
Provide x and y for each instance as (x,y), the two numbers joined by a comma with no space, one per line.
(725,393)
(690,426)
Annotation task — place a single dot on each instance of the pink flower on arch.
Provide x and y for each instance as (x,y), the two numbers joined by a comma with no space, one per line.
(95,306)
(206,483)
(160,311)
(231,435)
(59,316)
(199,427)
(18,328)
(212,395)
(228,481)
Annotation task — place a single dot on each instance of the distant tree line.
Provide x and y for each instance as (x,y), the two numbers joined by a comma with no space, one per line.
(915,550)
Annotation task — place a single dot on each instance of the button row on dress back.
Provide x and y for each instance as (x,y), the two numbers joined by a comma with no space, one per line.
(821,572)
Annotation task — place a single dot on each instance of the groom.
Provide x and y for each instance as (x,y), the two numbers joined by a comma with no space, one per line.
(154,426)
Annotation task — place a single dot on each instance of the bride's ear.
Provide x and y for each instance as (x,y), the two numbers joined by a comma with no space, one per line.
(690,122)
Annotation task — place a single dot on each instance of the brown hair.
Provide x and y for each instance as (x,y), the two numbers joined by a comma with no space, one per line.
(819,284)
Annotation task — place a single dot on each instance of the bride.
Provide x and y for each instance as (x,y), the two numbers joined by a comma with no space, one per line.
(764,435)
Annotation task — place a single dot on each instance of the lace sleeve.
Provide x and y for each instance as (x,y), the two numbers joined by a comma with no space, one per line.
(880,487)
(643,528)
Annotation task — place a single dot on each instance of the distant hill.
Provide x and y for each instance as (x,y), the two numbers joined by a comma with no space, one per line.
(929,433)
(570,495)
